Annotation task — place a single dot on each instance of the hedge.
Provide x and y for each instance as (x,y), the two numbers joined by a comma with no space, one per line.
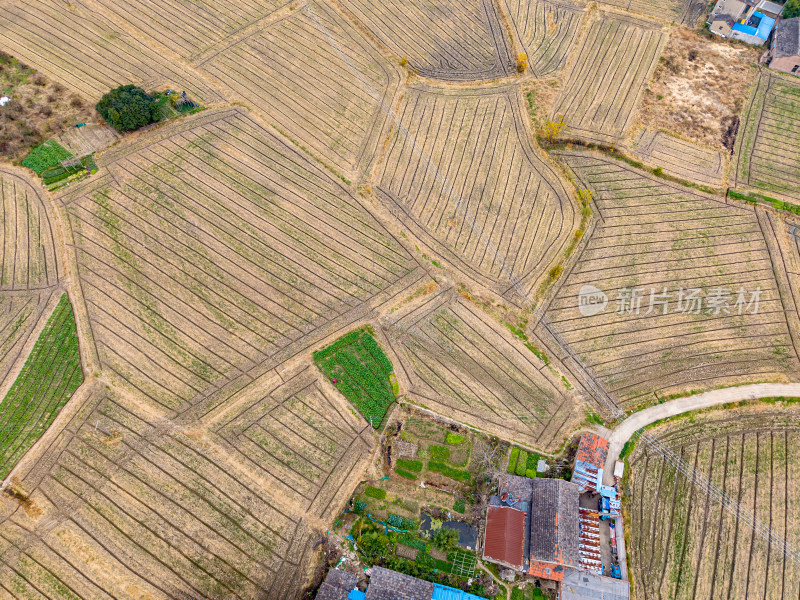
(522,463)
(512,462)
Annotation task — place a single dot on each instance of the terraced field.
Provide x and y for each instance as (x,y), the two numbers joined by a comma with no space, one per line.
(674,11)
(685,546)
(768,145)
(654,235)
(440,39)
(140,508)
(188,29)
(73,44)
(466,180)
(29,259)
(216,247)
(548,31)
(466,367)
(615,61)
(680,158)
(317,78)
(19,314)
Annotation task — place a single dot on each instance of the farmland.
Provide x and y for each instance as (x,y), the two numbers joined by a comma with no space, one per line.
(604,85)
(451,42)
(654,234)
(283,249)
(466,367)
(548,31)
(28,251)
(50,375)
(680,158)
(315,76)
(685,546)
(358,367)
(492,206)
(317,294)
(770,138)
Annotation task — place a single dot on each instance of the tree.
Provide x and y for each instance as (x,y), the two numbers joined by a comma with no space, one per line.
(791,9)
(445,539)
(128,107)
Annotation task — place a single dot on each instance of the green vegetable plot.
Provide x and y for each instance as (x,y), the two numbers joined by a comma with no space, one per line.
(50,376)
(358,367)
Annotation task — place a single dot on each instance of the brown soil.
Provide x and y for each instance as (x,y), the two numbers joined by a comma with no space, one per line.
(39,108)
(699,88)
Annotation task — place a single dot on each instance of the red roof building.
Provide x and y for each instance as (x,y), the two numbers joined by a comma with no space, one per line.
(504,541)
(592,450)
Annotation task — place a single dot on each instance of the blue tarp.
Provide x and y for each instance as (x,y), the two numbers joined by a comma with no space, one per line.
(764,26)
(356,595)
(443,592)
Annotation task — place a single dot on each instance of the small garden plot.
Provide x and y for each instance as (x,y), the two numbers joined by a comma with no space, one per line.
(523,463)
(50,376)
(440,451)
(56,166)
(358,367)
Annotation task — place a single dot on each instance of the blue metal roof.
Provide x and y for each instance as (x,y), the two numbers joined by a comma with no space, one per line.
(764,26)
(443,592)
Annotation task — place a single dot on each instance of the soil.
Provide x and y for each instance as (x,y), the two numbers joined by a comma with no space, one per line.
(699,88)
(39,108)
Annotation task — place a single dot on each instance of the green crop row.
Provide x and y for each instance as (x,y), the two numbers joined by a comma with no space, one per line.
(410,465)
(447,471)
(48,379)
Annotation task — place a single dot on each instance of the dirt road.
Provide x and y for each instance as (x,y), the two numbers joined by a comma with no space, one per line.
(636,421)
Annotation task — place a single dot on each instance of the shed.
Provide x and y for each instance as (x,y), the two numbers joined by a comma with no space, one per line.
(385,584)
(786,46)
(619,469)
(554,527)
(504,540)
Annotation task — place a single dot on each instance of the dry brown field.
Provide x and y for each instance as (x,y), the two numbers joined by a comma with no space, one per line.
(604,84)
(655,234)
(679,157)
(465,178)
(317,78)
(548,31)
(462,364)
(684,545)
(462,41)
(364,164)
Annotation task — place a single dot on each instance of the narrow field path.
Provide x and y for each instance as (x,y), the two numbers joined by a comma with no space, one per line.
(640,419)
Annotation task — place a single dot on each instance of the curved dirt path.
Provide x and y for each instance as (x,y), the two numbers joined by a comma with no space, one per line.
(636,421)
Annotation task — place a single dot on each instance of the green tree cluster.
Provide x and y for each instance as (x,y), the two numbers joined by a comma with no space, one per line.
(128,107)
(791,9)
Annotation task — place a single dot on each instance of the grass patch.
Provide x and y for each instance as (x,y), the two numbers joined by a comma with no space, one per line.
(454,439)
(439,453)
(410,465)
(753,198)
(374,492)
(593,418)
(359,368)
(460,506)
(447,471)
(47,380)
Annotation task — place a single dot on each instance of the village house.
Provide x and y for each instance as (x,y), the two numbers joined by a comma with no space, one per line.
(750,21)
(786,46)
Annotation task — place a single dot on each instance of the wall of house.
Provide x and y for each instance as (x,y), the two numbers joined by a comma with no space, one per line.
(786,64)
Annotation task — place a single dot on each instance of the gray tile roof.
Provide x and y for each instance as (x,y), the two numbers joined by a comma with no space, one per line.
(787,38)
(337,585)
(554,522)
(385,584)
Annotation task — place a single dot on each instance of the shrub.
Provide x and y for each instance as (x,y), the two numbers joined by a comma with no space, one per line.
(445,539)
(45,156)
(460,506)
(516,594)
(791,9)
(448,471)
(410,465)
(454,439)
(522,463)
(374,492)
(440,453)
(530,473)
(533,461)
(395,521)
(405,474)
(359,506)
(658,171)
(512,461)
(128,107)
(522,62)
